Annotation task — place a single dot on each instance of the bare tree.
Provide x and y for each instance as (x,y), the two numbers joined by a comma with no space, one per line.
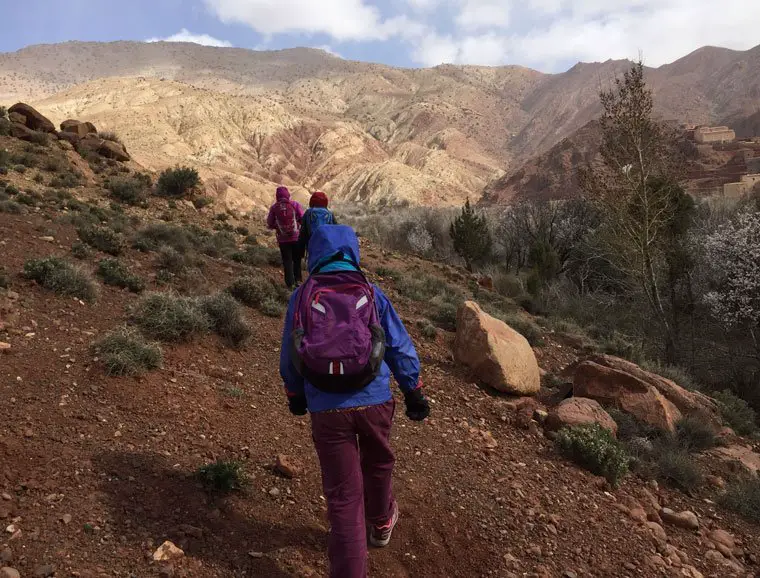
(638,190)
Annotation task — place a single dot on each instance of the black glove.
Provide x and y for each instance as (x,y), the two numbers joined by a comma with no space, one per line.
(297,405)
(417,407)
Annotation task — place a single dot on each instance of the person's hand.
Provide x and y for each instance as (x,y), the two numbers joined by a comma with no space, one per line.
(297,405)
(417,406)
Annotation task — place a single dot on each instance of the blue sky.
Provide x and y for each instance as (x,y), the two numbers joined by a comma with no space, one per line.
(550,35)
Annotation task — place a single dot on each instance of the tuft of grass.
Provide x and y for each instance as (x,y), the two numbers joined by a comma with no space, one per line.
(672,372)
(271,307)
(219,244)
(242,230)
(171,260)
(235,392)
(114,272)
(80,250)
(110,135)
(153,236)
(227,319)
(102,238)
(743,497)
(24,159)
(223,476)
(427,329)
(52,165)
(61,277)
(736,412)
(674,464)
(253,291)
(129,190)
(11,208)
(126,352)
(201,202)
(66,180)
(169,317)
(257,256)
(594,448)
(177,182)
(695,435)
(386,272)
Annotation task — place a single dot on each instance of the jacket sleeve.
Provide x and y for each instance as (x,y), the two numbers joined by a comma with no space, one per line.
(271,224)
(400,354)
(299,210)
(294,384)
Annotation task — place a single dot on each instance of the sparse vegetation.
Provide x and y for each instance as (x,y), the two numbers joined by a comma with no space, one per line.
(80,250)
(427,329)
(178,182)
(39,138)
(743,497)
(102,238)
(695,435)
(675,465)
(171,260)
(594,448)
(114,272)
(67,180)
(61,277)
(153,236)
(169,317)
(257,256)
(126,352)
(223,476)
(5,280)
(129,190)
(253,291)
(11,207)
(227,319)
(271,307)
(201,202)
(736,412)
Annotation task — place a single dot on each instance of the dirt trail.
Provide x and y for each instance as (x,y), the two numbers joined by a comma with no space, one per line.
(117,455)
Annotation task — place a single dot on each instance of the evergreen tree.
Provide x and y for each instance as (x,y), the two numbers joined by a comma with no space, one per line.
(471,236)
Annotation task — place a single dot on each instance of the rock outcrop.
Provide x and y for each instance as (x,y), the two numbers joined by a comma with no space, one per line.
(577,411)
(79,128)
(33,119)
(631,394)
(498,355)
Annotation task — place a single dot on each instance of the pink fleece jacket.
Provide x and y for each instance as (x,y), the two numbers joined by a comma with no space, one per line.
(283,194)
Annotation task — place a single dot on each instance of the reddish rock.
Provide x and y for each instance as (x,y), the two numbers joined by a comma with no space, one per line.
(34,120)
(69,137)
(629,393)
(21,132)
(114,150)
(286,467)
(78,128)
(17,117)
(742,455)
(578,411)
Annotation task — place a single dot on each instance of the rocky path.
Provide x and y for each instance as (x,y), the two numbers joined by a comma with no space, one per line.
(96,472)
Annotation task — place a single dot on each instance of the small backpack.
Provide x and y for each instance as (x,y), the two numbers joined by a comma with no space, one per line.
(285,218)
(319,216)
(337,342)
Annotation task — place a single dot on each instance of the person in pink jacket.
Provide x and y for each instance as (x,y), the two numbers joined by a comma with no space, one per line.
(285,218)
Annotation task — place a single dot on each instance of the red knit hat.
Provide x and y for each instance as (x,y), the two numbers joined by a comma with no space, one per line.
(318,199)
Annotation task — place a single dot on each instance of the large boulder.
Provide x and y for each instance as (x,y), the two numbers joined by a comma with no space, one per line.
(21,131)
(691,403)
(70,137)
(17,117)
(114,150)
(578,411)
(631,394)
(34,120)
(81,129)
(499,355)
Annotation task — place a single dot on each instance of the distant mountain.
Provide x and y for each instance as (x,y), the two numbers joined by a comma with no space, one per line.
(366,132)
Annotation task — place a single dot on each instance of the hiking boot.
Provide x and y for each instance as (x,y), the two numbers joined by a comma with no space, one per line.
(380,536)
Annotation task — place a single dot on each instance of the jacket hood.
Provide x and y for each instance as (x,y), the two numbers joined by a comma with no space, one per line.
(283,194)
(327,241)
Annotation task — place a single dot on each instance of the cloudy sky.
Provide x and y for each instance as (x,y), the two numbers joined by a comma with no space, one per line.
(549,35)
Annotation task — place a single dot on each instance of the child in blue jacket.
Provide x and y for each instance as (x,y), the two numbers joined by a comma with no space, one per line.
(351,431)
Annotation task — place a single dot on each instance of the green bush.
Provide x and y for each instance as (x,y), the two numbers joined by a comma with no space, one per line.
(743,497)
(676,466)
(21,169)
(674,373)
(80,250)
(27,160)
(177,182)
(52,165)
(227,319)
(218,244)
(427,329)
(736,412)
(39,138)
(257,256)
(153,236)
(253,291)
(114,272)
(11,207)
(223,476)
(169,317)
(126,352)
(242,230)
(594,448)
(61,277)
(26,199)
(65,181)
(695,435)
(102,238)
(171,260)
(271,307)
(386,272)
(132,191)
(508,285)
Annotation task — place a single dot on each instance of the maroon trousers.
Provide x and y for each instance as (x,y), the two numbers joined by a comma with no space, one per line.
(357,465)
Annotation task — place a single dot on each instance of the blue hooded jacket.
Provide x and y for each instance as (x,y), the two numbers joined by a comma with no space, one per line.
(400,356)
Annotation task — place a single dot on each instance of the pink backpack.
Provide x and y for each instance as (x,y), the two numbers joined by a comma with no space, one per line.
(285,218)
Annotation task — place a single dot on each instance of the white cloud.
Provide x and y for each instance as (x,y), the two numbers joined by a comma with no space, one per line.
(546,34)
(186,36)
(327,48)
